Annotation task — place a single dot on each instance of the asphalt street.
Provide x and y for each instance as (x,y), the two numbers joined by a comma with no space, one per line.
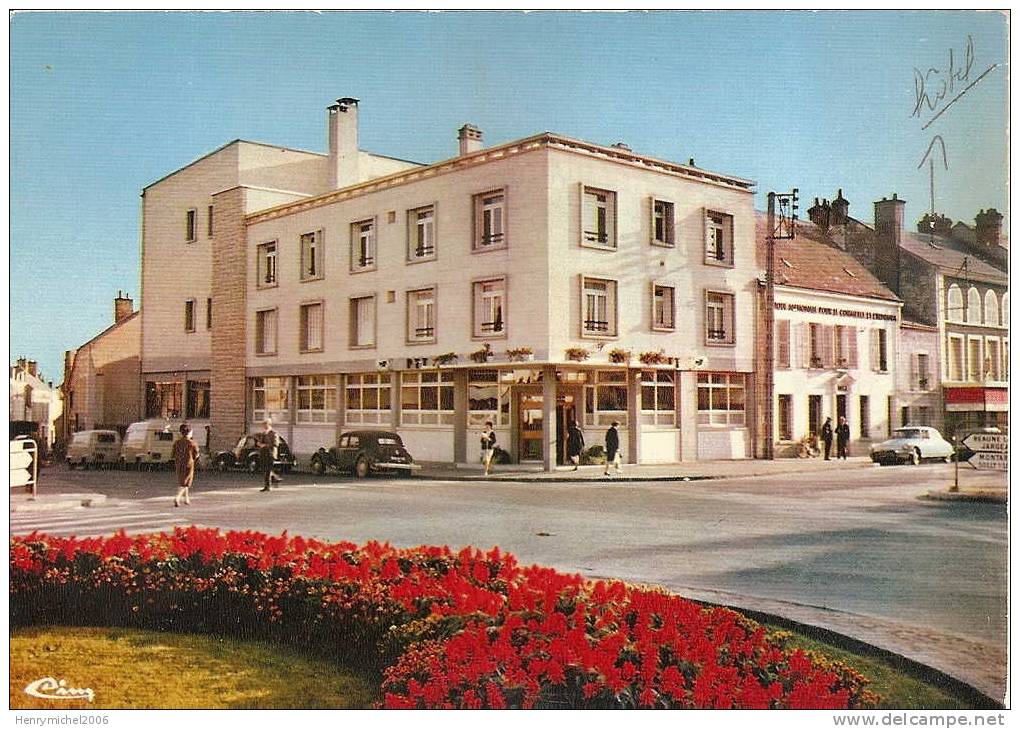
(858,541)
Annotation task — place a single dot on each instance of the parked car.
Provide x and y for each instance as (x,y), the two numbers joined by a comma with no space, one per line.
(245,455)
(93,448)
(149,443)
(912,444)
(362,452)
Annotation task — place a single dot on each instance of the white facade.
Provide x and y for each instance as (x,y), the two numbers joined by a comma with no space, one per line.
(34,399)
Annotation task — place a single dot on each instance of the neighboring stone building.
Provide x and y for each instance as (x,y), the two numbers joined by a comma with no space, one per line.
(101,377)
(34,399)
(918,373)
(532,283)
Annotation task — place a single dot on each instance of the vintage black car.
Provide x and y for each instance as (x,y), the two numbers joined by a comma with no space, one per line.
(245,455)
(362,452)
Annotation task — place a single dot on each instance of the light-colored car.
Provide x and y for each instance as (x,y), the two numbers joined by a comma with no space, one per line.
(148,443)
(912,444)
(93,448)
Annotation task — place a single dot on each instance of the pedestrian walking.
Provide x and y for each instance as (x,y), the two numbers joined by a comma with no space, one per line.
(827,437)
(613,448)
(269,449)
(185,454)
(842,438)
(575,443)
(488,443)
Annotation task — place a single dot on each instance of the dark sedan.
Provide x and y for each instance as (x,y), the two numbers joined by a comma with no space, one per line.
(245,455)
(362,452)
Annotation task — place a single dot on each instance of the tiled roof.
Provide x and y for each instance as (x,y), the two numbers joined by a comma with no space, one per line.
(809,262)
(949,256)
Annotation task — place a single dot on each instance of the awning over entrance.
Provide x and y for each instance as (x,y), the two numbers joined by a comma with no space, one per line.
(844,381)
(970,399)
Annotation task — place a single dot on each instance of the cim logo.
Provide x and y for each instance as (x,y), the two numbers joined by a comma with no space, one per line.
(52,689)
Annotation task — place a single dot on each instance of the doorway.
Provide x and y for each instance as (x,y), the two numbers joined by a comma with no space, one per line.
(840,407)
(529,426)
(565,415)
(815,414)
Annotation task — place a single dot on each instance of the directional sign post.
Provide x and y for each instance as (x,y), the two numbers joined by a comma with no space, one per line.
(990,451)
(24,463)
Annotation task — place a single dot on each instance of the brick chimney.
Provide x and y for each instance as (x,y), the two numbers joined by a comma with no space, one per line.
(820,214)
(123,307)
(888,238)
(935,224)
(470,138)
(840,210)
(342,120)
(988,228)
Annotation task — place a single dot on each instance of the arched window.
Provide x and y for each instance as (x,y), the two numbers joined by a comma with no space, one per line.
(954,308)
(991,309)
(1005,309)
(973,306)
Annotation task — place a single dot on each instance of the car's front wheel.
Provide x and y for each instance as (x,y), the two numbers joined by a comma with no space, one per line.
(222,465)
(361,468)
(915,457)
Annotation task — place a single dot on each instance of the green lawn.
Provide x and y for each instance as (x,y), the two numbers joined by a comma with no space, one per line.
(136,669)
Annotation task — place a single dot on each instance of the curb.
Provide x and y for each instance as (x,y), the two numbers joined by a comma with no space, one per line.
(55,502)
(975,496)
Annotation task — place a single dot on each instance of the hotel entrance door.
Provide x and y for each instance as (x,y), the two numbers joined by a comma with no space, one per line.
(530,419)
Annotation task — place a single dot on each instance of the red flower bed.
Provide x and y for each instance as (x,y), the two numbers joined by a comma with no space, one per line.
(446,630)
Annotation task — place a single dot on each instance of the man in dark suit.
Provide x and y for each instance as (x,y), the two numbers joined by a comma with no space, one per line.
(842,438)
(613,447)
(827,437)
(269,449)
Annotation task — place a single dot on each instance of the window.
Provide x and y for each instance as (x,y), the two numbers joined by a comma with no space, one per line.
(363,246)
(598,218)
(974,359)
(488,398)
(421,234)
(973,306)
(658,398)
(817,339)
(662,223)
(189,315)
(605,398)
(362,320)
(265,331)
(490,221)
(718,318)
(783,343)
(720,398)
(922,376)
(845,343)
(663,308)
(209,222)
(879,350)
(270,398)
(904,417)
(598,307)
(198,399)
(865,416)
(954,304)
(992,359)
(190,223)
(421,315)
(316,399)
(955,366)
(1005,310)
(489,304)
(784,412)
(311,256)
(991,309)
(164,399)
(923,415)
(311,327)
(208,313)
(368,399)
(426,398)
(266,264)
(718,238)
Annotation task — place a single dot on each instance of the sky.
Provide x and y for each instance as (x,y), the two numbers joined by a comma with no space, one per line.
(102,104)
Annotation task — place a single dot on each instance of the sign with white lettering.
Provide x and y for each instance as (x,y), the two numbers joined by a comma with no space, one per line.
(23,462)
(830,311)
(990,460)
(994,442)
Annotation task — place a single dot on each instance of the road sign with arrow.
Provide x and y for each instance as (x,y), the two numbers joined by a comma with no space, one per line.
(990,450)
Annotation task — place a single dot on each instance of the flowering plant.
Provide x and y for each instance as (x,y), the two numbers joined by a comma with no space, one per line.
(577,354)
(469,629)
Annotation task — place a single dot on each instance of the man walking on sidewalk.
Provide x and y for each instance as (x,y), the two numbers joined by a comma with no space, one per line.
(613,448)
(269,449)
(842,438)
(575,443)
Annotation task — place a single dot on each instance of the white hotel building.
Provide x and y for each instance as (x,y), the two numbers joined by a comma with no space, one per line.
(528,284)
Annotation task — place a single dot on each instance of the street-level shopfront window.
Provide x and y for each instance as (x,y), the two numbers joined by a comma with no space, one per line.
(426,398)
(164,399)
(721,398)
(198,399)
(658,398)
(605,398)
(316,399)
(489,397)
(270,399)
(368,399)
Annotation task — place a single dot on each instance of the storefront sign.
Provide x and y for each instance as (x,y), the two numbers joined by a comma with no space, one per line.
(830,311)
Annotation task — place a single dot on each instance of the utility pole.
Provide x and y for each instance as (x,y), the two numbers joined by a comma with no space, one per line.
(782,212)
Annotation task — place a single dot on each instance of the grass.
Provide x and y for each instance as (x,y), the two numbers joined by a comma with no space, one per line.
(137,669)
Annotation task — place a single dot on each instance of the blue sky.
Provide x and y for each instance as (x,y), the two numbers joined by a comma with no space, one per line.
(102,104)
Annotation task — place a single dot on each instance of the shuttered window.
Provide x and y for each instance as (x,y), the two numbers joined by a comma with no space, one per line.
(783,343)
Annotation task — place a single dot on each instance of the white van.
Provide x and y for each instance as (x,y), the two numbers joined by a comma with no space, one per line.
(93,448)
(148,443)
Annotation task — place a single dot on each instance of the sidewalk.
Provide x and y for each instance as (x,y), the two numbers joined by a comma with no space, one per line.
(989,486)
(48,502)
(696,471)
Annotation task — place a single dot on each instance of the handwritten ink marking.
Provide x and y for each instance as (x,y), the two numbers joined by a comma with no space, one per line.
(942,85)
(957,97)
(942,144)
(51,688)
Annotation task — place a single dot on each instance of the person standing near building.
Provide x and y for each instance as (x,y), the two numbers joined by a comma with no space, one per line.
(842,438)
(613,448)
(269,449)
(488,442)
(575,443)
(185,454)
(827,437)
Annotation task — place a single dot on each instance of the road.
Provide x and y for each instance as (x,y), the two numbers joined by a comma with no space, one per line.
(858,542)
